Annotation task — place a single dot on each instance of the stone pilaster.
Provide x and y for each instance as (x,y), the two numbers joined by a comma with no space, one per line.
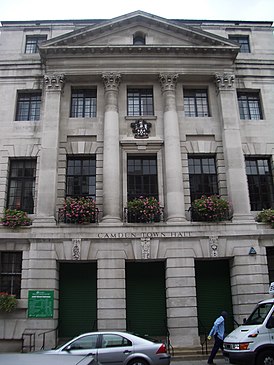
(47,180)
(111,164)
(232,144)
(175,206)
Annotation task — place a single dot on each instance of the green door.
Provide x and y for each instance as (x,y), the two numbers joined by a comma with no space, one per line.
(213,291)
(77,298)
(146,298)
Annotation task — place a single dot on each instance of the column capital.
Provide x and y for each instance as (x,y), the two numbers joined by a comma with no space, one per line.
(54,82)
(168,81)
(224,81)
(111,81)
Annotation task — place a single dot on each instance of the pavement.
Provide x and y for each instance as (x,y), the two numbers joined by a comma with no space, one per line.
(198,362)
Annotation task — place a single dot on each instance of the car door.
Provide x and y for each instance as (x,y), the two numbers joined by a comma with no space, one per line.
(114,349)
(84,345)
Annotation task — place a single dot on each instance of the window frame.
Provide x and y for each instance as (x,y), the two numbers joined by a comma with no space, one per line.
(87,109)
(80,177)
(141,102)
(249,104)
(20,183)
(261,190)
(33,41)
(207,182)
(135,188)
(15,277)
(242,40)
(28,106)
(195,105)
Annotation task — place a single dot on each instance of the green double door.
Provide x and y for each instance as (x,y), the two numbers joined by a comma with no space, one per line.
(146,298)
(77,299)
(213,291)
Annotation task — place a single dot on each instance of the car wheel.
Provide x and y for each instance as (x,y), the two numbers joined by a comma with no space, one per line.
(265,358)
(138,361)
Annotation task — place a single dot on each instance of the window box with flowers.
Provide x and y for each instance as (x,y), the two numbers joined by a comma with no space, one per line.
(80,210)
(211,208)
(15,218)
(8,302)
(266,216)
(143,210)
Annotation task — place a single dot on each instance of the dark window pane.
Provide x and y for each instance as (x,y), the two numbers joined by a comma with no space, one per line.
(196,103)
(83,103)
(10,272)
(249,105)
(28,106)
(243,42)
(140,102)
(32,43)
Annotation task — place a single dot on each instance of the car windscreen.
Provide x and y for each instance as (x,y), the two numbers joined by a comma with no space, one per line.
(259,314)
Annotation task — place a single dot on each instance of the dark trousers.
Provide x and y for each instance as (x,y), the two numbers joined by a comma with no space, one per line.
(218,344)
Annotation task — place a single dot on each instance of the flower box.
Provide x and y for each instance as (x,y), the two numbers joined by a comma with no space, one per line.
(8,302)
(143,210)
(15,218)
(80,210)
(211,208)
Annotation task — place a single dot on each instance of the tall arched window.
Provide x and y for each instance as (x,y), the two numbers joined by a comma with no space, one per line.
(139,38)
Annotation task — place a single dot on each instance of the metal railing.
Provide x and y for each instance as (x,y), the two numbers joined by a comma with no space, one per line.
(136,217)
(43,334)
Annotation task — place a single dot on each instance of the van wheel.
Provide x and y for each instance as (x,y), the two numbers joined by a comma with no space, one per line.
(265,358)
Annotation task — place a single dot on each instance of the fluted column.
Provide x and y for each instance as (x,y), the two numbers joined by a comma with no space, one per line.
(47,180)
(111,163)
(175,206)
(232,145)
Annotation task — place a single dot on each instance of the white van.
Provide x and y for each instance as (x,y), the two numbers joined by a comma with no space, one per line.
(253,342)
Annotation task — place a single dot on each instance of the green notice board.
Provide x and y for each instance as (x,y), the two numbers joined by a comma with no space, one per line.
(40,303)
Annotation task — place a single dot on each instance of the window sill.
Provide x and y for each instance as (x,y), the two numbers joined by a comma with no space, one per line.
(146,117)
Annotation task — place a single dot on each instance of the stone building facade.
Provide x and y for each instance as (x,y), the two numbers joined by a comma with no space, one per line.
(115,108)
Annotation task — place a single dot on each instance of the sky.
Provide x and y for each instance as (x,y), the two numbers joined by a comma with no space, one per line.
(260,10)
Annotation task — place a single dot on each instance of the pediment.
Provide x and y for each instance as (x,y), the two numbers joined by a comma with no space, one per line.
(117,34)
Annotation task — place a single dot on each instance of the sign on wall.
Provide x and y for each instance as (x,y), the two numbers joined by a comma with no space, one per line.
(40,303)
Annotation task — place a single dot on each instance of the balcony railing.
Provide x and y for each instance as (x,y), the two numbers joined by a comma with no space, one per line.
(63,218)
(197,217)
(133,217)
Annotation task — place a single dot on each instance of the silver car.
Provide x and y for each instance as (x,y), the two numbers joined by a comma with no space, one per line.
(116,348)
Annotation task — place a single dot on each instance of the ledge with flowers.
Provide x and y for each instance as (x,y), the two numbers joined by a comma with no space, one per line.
(8,302)
(14,218)
(78,210)
(143,210)
(211,208)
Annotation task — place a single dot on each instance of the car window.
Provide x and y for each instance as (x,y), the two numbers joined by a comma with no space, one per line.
(85,342)
(259,314)
(109,340)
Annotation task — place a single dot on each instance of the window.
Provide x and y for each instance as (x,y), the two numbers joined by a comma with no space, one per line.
(81,177)
(83,103)
(32,42)
(10,272)
(22,184)
(260,183)
(140,102)
(243,42)
(139,39)
(196,103)
(111,340)
(142,176)
(270,263)
(249,105)
(28,106)
(202,176)
(85,343)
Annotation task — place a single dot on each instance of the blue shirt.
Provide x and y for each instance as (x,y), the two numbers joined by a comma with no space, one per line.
(218,328)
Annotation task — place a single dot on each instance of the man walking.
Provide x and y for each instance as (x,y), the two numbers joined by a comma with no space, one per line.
(218,331)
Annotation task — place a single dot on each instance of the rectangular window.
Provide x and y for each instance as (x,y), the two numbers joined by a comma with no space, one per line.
(10,272)
(28,106)
(32,42)
(22,184)
(142,177)
(249,105)
(202,176)
(270,263)
(83,103)
(140,102)
(243,41)
(81,177)
(260,183)
(196,103)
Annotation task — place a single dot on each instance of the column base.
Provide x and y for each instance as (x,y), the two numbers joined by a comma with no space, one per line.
(111,219)
(243,218)
(44,222)
(176,219)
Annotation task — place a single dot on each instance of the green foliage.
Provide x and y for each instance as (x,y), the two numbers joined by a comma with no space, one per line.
(266,216)
(8,302)
(14,218)
(211,208)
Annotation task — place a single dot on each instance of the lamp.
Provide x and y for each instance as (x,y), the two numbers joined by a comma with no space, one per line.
(252,251)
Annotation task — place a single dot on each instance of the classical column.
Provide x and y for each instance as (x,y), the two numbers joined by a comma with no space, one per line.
(175,206)
(111,160)
(232,145)
(47,180)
